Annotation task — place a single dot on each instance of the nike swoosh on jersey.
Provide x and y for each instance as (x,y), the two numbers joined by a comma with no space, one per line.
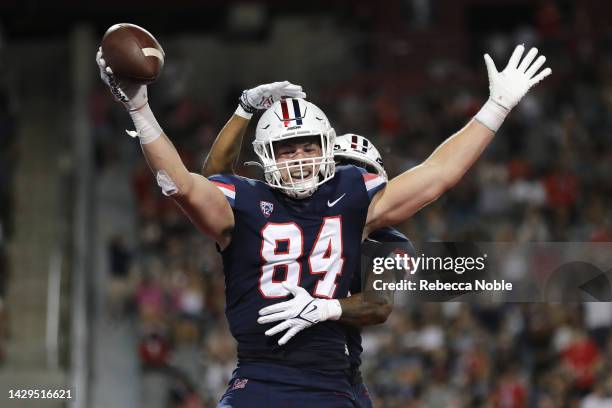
(335,201)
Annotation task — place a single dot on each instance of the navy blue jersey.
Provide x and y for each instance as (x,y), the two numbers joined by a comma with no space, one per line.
(353,334)
(314,243)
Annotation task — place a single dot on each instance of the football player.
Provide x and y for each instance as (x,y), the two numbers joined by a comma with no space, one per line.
(359,151)
(303,227)
(357,310)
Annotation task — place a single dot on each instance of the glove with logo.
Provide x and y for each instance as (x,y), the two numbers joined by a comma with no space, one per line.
(263,96)
(134,98)
(508,87)
(298,313)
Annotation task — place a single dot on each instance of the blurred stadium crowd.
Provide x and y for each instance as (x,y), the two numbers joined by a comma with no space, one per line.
(546,177)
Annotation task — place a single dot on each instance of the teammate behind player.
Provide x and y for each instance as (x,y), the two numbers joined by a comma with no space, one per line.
(268,237)
(359,151)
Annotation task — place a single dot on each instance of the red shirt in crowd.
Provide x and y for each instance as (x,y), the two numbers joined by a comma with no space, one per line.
(581,357)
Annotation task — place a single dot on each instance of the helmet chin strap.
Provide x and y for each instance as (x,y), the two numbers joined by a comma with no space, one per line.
(253,163)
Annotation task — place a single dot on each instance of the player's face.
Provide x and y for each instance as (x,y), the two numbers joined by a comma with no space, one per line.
(290,155)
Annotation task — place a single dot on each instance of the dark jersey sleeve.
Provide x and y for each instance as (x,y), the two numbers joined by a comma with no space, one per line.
(227,184)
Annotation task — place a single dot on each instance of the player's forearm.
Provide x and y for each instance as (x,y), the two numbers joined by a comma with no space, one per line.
(160,153)
(412,190)
(201,201)
(360,312)
(458,153)
(167,166)
(226,147)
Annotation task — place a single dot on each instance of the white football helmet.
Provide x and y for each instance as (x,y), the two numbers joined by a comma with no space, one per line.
(293,118)
(359,151)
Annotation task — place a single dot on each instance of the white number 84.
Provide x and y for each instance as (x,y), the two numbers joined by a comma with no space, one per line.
(325,257)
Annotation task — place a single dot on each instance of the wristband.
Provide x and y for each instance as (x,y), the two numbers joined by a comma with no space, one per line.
(147,128)
(243,113)
(244,103)
(334,310)
(492,114)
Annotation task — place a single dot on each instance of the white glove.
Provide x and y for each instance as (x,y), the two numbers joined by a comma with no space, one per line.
(508,87)
(298,313)
(133,96)
(263,96)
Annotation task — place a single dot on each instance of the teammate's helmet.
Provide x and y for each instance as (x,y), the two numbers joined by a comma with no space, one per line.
(293,118)
(358,150)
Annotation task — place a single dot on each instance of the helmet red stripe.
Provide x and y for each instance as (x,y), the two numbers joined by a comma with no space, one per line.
(285,112)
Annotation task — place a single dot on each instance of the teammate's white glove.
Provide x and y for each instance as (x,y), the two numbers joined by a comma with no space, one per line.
(298,313)
(263,96)
(133,96)
(508,87)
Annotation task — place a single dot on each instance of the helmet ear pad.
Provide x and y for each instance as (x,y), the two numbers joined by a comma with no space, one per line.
(290,119)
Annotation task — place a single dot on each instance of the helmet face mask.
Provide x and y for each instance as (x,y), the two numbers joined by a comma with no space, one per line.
(358,150)
(295,119)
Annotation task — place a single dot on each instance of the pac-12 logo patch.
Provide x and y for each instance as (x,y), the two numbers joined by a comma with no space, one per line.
(266,208)
(240,383)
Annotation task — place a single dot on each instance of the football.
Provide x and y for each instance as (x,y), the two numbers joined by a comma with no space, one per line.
(133,53)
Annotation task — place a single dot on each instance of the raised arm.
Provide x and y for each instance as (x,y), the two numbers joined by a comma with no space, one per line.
(417,187)
(410,191)
(200,199)
(226,147)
